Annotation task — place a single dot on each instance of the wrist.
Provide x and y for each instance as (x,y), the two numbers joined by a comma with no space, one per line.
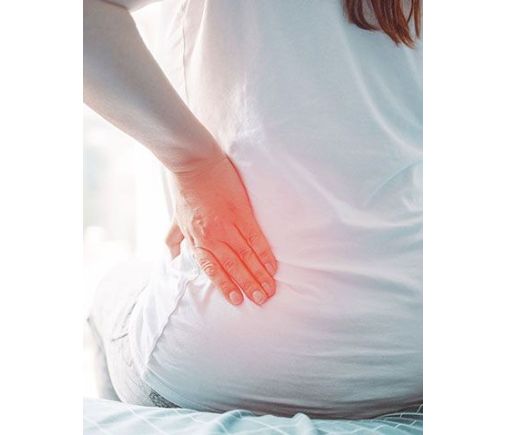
(185,160)
(199,167)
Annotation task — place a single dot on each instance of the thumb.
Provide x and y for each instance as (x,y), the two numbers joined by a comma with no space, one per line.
(174,239)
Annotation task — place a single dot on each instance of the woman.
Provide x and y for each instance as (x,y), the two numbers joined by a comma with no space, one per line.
(293,134)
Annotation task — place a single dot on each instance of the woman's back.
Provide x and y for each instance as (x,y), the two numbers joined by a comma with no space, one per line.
(323,122)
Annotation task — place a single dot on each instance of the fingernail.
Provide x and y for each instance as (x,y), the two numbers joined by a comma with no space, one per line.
(270,268)
(259,297)
(268,288)
(235,298)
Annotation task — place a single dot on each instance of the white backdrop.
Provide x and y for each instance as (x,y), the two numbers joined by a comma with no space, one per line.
(125,213)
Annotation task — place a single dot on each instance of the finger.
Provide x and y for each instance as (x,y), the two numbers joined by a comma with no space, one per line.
(211,267)
(239,273)
(174,239)
(252,262)
(255,238)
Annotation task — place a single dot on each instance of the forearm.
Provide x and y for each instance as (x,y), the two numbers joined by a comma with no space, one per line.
(124,84)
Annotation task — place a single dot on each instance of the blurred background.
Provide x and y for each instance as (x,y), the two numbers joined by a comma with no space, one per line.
(125,213)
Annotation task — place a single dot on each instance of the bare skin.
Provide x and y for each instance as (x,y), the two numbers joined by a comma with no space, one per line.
(124,84)
(213,211)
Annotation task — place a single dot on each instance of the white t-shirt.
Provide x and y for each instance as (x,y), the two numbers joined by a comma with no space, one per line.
(324,123)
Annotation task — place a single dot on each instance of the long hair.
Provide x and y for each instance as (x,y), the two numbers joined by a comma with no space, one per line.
(390,16)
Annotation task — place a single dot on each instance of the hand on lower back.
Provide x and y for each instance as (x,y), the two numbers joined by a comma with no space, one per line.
(212,210)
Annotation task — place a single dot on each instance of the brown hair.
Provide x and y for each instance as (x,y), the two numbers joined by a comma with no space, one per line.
(390,17)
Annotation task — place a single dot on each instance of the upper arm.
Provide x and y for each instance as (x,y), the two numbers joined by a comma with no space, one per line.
(131,5)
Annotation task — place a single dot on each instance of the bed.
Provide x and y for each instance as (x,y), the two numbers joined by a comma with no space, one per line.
(103,417)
